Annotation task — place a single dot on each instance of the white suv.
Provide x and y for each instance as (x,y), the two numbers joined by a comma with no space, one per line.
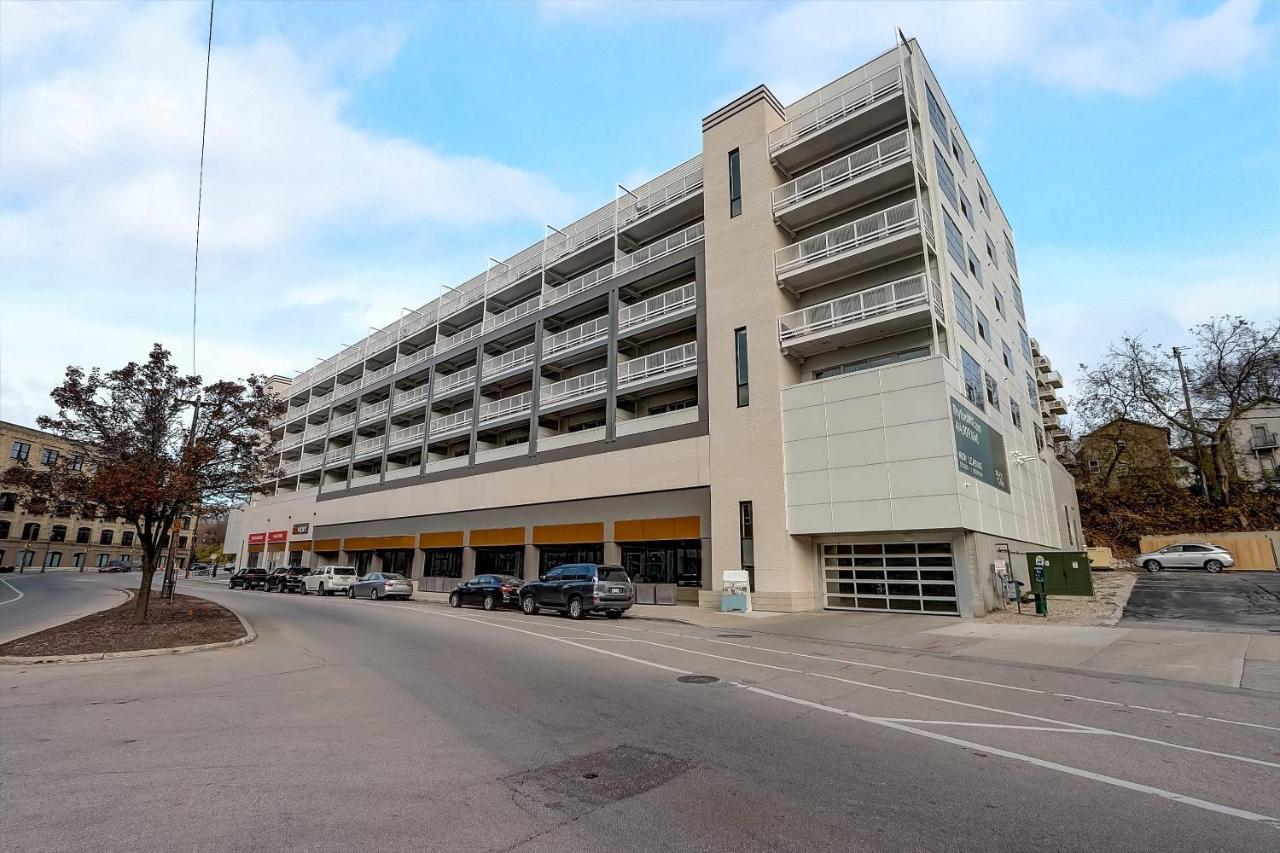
(328,580)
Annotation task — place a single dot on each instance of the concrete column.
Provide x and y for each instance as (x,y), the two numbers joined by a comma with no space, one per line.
(375,564)
(419,564)
(613,553)
(530,562)
(468,563)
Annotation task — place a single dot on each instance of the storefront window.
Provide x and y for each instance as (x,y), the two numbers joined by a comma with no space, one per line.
(678,562)
(444,563)
(500,561)
(550,556)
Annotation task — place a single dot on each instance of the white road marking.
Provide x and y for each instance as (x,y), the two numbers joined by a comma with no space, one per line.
(1072,731)
(880,721)
(12,587)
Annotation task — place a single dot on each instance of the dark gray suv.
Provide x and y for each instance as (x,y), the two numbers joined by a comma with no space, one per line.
(577,589)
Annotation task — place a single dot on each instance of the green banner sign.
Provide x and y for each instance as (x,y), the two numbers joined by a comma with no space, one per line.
(979,448)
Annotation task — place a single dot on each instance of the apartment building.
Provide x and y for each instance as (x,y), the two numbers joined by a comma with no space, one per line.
(61,536)
(802,352)
(1052,408)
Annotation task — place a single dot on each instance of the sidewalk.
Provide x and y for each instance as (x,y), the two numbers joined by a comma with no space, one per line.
(1201,657)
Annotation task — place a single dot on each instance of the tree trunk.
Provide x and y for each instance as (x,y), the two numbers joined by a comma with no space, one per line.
(1220,466)
(143,600)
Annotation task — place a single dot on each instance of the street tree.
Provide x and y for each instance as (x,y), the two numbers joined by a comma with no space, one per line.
(153,444)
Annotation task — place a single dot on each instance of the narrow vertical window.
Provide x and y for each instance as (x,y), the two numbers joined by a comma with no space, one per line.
(746,532)
(740,361)
(735,184)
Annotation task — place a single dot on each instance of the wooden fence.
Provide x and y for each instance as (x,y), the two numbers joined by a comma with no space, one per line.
(1252,551)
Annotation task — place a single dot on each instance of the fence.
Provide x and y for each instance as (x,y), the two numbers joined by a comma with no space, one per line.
(1252,551)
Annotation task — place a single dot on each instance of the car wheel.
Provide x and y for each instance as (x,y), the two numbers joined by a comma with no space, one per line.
(1213,566)
(373,593)
(490,603)
(529,606)
(351,592)
(455,600)
(615,614)
(1151,566)
(304,590)
(575,608)
(321,590)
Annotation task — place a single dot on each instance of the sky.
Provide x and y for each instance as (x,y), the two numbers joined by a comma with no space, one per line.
(362,155)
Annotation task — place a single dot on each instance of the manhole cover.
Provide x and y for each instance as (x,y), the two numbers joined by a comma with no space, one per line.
(735,636)
(697,679)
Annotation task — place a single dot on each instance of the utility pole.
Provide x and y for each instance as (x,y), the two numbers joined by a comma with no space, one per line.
(170,571)
(1191,422)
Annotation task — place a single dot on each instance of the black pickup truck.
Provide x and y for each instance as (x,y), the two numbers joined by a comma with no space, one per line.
(248,579)
(286,579)
(580,588)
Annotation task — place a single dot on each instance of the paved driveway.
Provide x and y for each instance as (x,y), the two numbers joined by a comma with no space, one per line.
(1241,602)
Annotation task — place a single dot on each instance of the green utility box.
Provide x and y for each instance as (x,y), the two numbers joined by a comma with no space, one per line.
(1065,572)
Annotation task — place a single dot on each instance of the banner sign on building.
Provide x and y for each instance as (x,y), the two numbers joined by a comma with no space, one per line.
(278,536)
(301,529)
(979,448)
(257,538)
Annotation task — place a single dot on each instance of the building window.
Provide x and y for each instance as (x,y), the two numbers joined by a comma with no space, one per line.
(972,380)
(964,307)
(1025,342)
(4,529)
(872,362)
(958,153)
(965,208)
(48,457)
(741,370)
(946,178)
(1017,301)
(126,539)
(936,117)
(8,501)
(24,557)
(1015,411)
(984,327)
(75,462)
(82,535)
(975,266)
(747,538)
(20,451)
(1008,253)
(955,243)
(58,533)
(78,560)
(1007,355)
(53,559)
(30,531)
(106,537)
(735,183)
(982,201)
(594,423)
(102,560)
(182,543)
(993,392)
(991,253)
(1031,390)
(999,297)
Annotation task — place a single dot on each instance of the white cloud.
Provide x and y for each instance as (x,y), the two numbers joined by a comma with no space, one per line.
(99,153)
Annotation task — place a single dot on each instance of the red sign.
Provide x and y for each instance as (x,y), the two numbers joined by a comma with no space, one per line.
(278,536)
(257,538)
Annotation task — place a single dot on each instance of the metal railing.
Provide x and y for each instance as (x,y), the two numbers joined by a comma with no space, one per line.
(413,395)
(459,337)
(884,85)
(291,440)
(377,375)
(680,183)
(469,293)
(851,235)
(518,357)
(576,386)
(594,330)
(890,150)
(319,401)
(341,454)
(854,308)
(448,423)
(515,312)
(662,247)
(657,306)
(315,432)
(407,435)
(1264,441)
(515,269)
(449,381)
(374,410)
(577,285)
(310,463)
(415,357)
(290,468)
(654,364)
(592,227)
(342,421)
(513,405)
(367,446)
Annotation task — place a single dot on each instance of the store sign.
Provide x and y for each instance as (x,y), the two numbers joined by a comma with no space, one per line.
(301,529)
(979,448)
(278,536)
(257,538)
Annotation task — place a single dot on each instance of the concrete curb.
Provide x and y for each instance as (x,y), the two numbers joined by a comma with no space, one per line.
(249,636)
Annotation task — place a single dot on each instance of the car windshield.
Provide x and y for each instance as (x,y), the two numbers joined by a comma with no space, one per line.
(612,575)
(344,571)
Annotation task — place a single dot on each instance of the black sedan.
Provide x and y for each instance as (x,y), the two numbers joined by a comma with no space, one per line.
(489,591)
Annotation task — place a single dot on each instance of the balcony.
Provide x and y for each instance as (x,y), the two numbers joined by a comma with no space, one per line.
(872,241)
(590,232)
(574,388)
(451,383)
(673,303)
(514,406)
(858,317)
(595,331)
(1263,440)
(369,446)
(374,411)
(577,285)
(407,399)
(523,267)
(407,437)
(459,338)
(342,422)
(333,457)
(680,359)
(508,362)
(1052,378)
(662,248)
(290,468)
(377,376)
(515,312)
(663,203)
(839,122)
(1057,407)
(310,463)
(631,426)
(291,440)
(366,480)
(457,422)
(459,298)
(866,174)
(406,361)
(416,321)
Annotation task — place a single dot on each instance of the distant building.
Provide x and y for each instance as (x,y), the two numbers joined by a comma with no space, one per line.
(1254,437)
(1123,448)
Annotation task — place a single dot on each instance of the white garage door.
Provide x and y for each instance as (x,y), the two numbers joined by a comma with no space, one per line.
(903,577)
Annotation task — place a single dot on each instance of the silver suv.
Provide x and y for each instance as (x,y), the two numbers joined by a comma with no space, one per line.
(1212,558)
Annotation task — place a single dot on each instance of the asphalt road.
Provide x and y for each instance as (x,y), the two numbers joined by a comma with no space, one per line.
(31,602)
(387,726)
(1240,602)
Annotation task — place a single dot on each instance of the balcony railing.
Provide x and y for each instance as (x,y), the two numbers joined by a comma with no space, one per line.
(291,440)
(595,330)
(856,99)
(414,395)
(315,432)
(657,306)
(1263,441)
(455,300)
(459,338)
(680,185)
(515,312)
(415,357)
(377,375)
(374,411)
(577,285)
(854,308)
(507,406)
(448,382)
(342,421)
(415,321)
(518,268)
(310,463)
(407,435)
(890,150)
(367,446)
(518,357)
(577,386)
(290,468)
(341,454)
(584,232)
(449,423)
(851,235)
(655,364)
(662,247)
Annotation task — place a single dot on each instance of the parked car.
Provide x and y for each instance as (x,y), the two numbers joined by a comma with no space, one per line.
(114,567)
(328,580)
(489,591)
(287,579)
(249,579)
(1211,558)
(580,588)
(377,585)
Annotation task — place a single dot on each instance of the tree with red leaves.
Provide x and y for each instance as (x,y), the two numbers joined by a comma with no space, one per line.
(145,457)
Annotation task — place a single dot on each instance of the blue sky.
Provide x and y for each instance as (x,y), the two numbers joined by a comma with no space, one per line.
(362,154)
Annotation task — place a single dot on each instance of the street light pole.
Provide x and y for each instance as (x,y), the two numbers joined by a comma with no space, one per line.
(170,572)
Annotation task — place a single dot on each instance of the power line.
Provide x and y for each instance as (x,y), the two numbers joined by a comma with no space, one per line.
(204,129)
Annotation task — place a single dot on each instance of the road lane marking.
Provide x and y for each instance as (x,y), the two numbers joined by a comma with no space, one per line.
(15,590)
(887,723)
(1072,731)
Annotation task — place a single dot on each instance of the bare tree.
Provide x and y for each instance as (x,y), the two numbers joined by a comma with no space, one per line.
(141,460)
